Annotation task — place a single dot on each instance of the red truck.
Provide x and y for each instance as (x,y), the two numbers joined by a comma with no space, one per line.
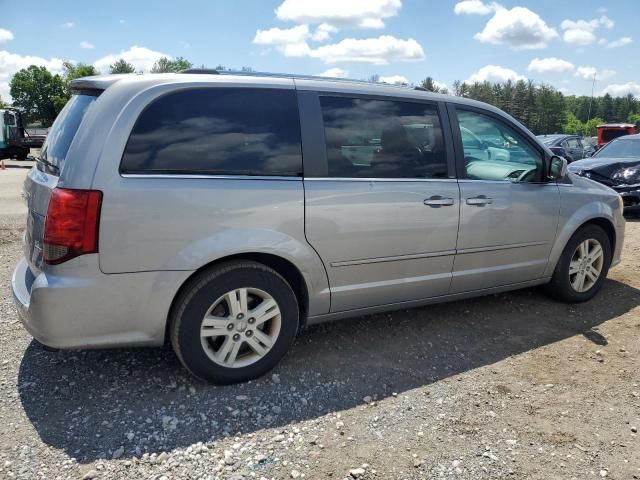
(609,131)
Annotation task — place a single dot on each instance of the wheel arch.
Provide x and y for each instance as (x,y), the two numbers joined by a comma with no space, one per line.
(563,238)
(281,265)
(607,226)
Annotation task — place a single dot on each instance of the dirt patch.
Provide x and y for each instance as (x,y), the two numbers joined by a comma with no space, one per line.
(10,235)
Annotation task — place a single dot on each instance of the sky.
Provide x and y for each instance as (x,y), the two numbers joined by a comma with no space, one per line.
(562,43)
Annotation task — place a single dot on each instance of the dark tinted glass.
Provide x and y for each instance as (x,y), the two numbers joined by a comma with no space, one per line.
(382,139)
(64,129)
(608,135)
(226,131)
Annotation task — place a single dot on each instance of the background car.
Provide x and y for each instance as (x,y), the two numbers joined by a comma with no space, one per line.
(616,165)
(609,131)
(571,147)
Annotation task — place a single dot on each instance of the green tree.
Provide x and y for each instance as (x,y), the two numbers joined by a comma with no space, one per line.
(2,103)
(590,126)
(71,72)
(605,108)
(166,65)
(122,66)
(573,125)
(39,94)
(429,85)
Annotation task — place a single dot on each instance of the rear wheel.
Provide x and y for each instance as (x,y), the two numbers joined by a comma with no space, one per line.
(583,266)
(234,322)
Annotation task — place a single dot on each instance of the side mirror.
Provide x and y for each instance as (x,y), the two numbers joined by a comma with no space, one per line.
(557,168)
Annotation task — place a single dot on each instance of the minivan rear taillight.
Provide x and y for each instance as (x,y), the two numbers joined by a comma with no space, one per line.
(71,226)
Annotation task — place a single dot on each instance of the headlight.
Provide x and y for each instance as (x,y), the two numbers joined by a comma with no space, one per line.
(629,175)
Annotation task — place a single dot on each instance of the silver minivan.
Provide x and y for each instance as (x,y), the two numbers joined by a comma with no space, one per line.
(223,212)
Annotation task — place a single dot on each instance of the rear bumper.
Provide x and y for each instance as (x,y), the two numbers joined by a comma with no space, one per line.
(77,306)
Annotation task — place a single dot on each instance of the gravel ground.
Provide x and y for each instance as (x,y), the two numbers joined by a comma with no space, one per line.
(505,386)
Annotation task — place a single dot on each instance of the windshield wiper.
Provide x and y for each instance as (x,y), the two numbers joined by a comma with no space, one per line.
(54,168)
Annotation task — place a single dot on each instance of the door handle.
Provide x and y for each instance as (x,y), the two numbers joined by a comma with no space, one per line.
(479,201)
(437,201)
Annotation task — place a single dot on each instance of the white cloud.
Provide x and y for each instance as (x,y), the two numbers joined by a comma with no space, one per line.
(394,79)
(474,7)
(581,32)
(5,35)
(140,57)
(87,45)
(621,42)
(588,73)
(334,73)
(441,85)
(282,36)
(578,37)
(375,51)
(68,25)
(494,74)
(10,63)
(550,65)
(361,13)
(323,32)
(620,90)
(519,27)
(603,21)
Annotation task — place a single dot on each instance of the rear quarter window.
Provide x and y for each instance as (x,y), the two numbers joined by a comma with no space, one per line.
(64,129)
(217,131)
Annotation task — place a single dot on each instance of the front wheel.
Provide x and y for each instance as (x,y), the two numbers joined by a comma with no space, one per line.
(234,322)
(583,266)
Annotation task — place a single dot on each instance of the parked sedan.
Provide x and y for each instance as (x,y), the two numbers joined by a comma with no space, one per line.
(571,147)
(616,165)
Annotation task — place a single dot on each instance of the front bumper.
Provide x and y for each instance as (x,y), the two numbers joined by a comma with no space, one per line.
(76,306)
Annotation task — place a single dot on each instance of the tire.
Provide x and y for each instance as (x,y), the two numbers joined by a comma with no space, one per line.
(563,284)
(232,336)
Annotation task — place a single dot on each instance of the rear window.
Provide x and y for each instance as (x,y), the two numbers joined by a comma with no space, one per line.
(56,146)
(217,131)
(608,135)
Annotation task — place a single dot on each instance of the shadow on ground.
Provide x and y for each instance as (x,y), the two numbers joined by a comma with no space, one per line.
(91,403)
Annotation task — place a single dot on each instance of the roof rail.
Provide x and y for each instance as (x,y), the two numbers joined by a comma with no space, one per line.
(207,71)
(252,73)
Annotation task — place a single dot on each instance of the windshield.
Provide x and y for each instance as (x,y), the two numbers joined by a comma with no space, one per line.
(620,149)
(63,130)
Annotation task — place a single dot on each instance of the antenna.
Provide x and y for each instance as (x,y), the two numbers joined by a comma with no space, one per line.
(593,86)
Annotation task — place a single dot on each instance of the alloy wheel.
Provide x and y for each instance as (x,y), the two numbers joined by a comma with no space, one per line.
(586,265)
(240,327)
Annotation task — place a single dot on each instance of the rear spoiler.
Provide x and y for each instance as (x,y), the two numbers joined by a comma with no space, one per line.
(95,85)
